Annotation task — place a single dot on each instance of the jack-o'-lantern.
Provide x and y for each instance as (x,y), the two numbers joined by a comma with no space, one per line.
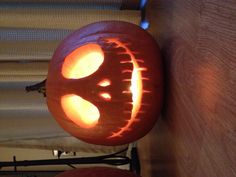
(97,172)
(104,84)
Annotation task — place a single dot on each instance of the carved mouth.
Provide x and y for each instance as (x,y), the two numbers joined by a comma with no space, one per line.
(88,117)
(136,86)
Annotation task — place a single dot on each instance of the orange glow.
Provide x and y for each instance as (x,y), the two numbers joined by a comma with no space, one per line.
(104,83)
(80,111)
(83,61)
(136,88)
(106,96)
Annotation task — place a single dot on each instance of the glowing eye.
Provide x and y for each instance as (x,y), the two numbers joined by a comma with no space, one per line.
(80,111)
(104,83)
(83,61)
(105,96)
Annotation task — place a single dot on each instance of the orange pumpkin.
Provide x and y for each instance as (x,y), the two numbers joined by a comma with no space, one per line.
(104,84)
(97,172)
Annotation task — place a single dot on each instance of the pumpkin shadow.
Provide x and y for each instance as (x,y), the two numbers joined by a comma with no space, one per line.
(162,141)
(166,62)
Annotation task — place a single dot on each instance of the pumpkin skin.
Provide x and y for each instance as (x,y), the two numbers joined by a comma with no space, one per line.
(97,172)
(122,91)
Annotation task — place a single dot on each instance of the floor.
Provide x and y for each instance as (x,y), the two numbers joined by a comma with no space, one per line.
(196,133)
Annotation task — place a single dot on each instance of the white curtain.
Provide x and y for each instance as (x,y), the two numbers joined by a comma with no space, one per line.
(29,34)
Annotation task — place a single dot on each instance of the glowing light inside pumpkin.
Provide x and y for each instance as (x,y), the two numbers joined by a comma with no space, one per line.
(80,111)
(83,61)
(106,96)
(136,88)
(104,83)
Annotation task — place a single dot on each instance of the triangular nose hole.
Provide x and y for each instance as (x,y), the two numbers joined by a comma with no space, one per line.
(104,83)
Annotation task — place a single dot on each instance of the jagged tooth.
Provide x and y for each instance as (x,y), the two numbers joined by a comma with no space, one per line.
(129,103)
(126,80)
(127,120)
(115,135)
(122,129)
(112,39)
(142,69)
(140,60)
(146,91)
(145,78)
(127,61)
(127,71)
(126,91)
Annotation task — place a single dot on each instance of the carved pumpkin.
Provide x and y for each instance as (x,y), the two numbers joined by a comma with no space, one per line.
(104,84)
(97,172)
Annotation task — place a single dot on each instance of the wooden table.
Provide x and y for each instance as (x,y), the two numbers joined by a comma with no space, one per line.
(196,134)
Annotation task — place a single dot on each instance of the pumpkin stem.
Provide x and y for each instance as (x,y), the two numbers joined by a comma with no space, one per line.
(40,87)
